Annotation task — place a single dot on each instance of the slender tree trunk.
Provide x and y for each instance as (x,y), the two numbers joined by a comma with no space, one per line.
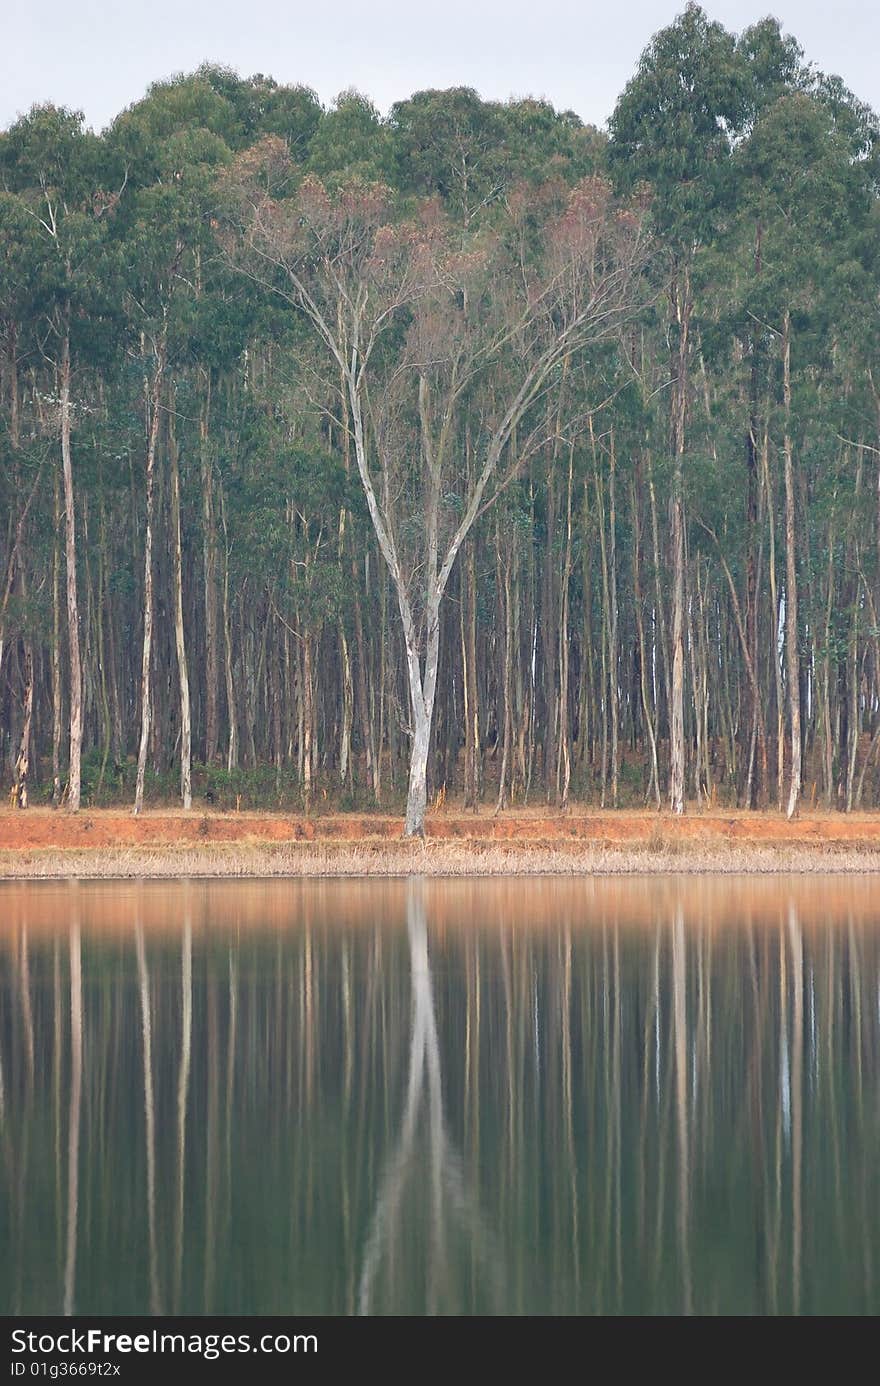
(308,717)
(774,598)
(654,781)
(791,603)
(661,635)
(179,632)
(231,711)
(368,731)
(56,654)
(752,540)
(104,607)
(76,715)
(548,627)
(827,729)
(563,772)
(472,737)
(153,396)
(853,674)
(606,626)
(209,564)
(677,744)
(345,769)
(23,759)
(613,628)
(467,682)
(506,678)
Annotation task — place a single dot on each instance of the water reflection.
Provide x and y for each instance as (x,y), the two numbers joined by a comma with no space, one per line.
(425,1194)
(428,1097)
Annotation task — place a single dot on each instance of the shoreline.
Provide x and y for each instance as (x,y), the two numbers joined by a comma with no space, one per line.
(451,860)
(46,844)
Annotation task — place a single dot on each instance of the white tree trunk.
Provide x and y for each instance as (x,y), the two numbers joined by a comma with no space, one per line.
(76,719)
(146,704)
(56,657)
(417,794)
(180,642)
(791,604)
(421,690)
(676,712)
(22,762)
(677,753)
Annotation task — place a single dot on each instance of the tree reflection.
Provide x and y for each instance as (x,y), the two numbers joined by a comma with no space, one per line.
(402,1207)
(73,1128)
(460,1098)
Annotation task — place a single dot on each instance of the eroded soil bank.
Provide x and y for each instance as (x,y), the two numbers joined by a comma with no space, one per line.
(45,843)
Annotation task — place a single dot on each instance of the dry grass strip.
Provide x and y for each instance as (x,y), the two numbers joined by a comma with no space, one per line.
(435,858)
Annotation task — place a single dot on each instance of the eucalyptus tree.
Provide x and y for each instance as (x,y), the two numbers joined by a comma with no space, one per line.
(166,238)
(673,127)
(351,140)
(806,176)
(470,153)
(734,350)
(262,106)
(412,323)
(20,254)
(53,165)
(450,144)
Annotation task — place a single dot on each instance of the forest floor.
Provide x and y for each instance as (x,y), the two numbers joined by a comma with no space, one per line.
(166,842)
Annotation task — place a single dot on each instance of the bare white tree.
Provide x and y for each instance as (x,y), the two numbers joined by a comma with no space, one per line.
(440,351)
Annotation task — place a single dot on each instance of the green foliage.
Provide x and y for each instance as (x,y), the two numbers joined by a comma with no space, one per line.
(351,139)
(675,124)
(760,175)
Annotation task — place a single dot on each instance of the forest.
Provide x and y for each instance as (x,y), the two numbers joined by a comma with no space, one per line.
(465,453)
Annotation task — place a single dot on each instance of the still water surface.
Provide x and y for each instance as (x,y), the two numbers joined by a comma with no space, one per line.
(478,1097)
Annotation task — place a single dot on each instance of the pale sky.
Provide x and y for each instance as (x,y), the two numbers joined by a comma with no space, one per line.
(100,55)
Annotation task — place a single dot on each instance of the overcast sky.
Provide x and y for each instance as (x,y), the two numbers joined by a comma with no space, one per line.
(99,55)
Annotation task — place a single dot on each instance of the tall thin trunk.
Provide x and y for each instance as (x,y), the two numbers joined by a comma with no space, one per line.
(654,781)
(472,731)
(774,598)
(825,683)
(76,716)
(606,623)
(548,628)
(179,632)
(209,565)
(345,766)
(613,629)
(368,728)
(308,717)
(791,605)
(682,303)
(752,541)
(506,677)
(231,714)
(56,654)
(153,395)
(660,634)
(22,760)
(103,617)
(853,655)
(563,772)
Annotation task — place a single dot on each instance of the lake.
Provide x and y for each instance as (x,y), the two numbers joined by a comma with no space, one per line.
(636,1096)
